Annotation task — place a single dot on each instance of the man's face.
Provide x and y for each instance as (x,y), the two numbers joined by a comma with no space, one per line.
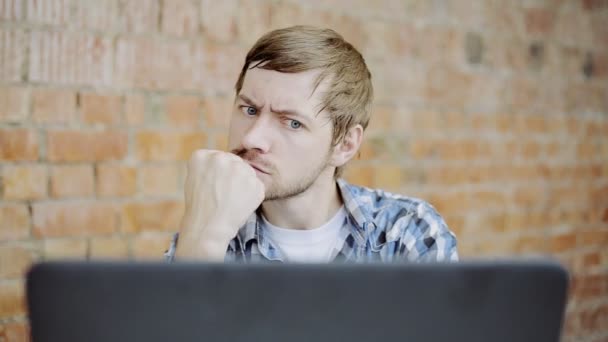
(276,129)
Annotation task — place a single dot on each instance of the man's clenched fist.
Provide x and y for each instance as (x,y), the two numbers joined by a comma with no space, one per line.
(221,192)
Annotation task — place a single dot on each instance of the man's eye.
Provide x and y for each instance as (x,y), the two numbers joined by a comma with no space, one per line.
(295,124)
(250,111)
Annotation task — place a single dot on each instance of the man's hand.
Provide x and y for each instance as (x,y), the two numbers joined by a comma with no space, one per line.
(221,192)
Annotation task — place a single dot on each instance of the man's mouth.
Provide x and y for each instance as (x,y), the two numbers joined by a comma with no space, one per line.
(257,168)
(249,157)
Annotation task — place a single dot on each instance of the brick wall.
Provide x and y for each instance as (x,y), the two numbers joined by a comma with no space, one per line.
(494,111)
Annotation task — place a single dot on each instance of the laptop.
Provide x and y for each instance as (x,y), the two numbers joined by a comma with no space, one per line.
(466,301)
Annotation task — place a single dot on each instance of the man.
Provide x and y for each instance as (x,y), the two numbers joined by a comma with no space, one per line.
(302,103)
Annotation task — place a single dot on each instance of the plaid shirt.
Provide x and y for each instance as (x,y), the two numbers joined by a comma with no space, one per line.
(383,227)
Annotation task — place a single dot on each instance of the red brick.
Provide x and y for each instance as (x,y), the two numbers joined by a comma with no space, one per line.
(388,177)
(448,87)
(448,175)
(350,27)
(484,174)
(48,12)
(158,179)
(116,180)
(12,54)
(222,65)
(530,196)
(72,181)
(15,259)
(587,150)
(18,144)
(591,259)
(562,243)
(151,246)
(66,145)
(596,319)
(135,109)
(530,244)
(180,17)
(151,216)
(23,182)
(253,20)
(113,247)
(159,146)
(73,219)
(492,223)
(573,27)
(600,65)
(492,248)
(219,19)
(15,332)
(531,150)
(101,109)
(381,119)
(593,5)
(11,10)
(13,104)
(593,127)
(450,203)
(65,249)
(587,287)
(539,20)
(440,43)
(97,15)
(183,110)
(597,237)
(376,147)
(70,58)
(53,106)
(461,150)
(220,141)
(140,16)
(508,53)
(406,82)
(396,40)
(599,30)
(161,64)
(366,151)
(12,298)
(359,175)
(217,111)
(423,148)
(488,199)
(15,221)
(567,60)
(425,121)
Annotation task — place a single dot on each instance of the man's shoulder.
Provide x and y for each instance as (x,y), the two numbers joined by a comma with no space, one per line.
(377,202)
(414,224)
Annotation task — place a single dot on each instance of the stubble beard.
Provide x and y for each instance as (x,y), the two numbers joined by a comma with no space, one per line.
(278,191)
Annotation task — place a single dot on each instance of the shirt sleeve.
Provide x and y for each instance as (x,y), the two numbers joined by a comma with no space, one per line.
(170,253)
(426,237)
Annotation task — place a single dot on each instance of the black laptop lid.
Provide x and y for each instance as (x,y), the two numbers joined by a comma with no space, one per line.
(475,301)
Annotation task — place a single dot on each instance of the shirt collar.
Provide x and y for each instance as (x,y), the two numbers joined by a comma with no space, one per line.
(352,204)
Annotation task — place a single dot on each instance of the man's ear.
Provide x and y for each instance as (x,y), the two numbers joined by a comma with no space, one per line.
(347,148)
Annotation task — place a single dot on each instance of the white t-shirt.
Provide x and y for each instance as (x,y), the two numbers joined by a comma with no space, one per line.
(310,245)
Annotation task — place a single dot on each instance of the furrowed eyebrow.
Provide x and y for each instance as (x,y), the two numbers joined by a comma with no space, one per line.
(291,112)
(249,101)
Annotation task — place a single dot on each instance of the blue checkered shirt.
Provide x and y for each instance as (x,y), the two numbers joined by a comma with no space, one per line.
(383,227)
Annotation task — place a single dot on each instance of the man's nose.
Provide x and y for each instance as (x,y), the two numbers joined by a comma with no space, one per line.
(257,135)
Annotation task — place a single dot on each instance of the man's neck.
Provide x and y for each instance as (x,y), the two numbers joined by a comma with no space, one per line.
(308,210)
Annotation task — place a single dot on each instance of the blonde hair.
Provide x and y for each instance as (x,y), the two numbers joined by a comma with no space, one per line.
(302,48)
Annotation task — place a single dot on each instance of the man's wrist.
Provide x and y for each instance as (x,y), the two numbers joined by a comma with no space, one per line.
(204,246)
